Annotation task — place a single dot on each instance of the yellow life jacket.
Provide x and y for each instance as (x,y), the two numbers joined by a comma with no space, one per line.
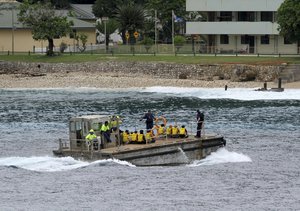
(161,130)
(90,137)
(148,136)
(169,131)
(125,137)
(133,137)
(140,137)
(182,131)
(174,130)
(104,128)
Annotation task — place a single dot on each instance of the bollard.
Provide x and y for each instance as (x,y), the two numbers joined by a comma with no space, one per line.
(279,83)
(28,53)
(226,87)
(8,53)
(265,85)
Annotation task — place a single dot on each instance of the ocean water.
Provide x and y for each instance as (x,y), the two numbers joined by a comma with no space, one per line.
(259,169)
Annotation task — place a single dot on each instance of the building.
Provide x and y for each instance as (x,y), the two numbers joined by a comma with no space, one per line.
(14,37)
(239,26)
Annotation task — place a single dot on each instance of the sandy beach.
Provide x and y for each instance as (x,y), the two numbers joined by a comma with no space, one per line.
(97,80)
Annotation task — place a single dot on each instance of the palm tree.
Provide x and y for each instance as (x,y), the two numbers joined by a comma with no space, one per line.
(111,26)
(131,18)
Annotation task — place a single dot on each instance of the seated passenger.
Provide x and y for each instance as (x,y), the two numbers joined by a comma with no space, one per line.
(175,132)
(161,130)
(141,138)
(125,136)
(133,137)
(183,132)
(169,131)
(150,137)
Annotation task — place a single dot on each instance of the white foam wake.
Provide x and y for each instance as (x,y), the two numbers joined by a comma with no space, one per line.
(53,164)
(221,156)
(220,93)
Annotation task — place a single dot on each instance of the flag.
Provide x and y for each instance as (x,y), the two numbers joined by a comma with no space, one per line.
(177,18)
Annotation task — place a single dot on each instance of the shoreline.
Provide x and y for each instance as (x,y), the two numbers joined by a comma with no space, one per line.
(99,80)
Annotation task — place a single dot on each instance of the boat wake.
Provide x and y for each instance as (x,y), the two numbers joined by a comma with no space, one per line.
(221,156)
(52,164)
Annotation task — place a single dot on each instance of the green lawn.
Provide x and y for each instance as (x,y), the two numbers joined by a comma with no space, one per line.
(180,58)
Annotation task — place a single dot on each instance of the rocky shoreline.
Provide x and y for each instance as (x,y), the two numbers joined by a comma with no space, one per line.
(113,74)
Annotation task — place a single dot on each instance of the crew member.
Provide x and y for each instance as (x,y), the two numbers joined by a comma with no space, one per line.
(105,131)
(161,130)
(150,137)
(91,138)
(169,131)
(125,136)
(149,120)
(133,136)
(200,120)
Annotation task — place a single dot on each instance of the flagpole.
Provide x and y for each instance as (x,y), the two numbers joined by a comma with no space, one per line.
(155,32)
(173,31)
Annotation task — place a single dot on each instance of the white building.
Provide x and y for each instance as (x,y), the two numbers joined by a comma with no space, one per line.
(243,26)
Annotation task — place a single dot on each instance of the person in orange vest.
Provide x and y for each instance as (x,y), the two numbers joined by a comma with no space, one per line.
(183,132)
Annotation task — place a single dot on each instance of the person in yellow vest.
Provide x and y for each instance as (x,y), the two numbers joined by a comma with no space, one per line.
(125,136)
(161,130)
(169,131)
(115,122)
(150,137)
(175,132)
(105,131)
(141,138)
(91,139)
(183,132)
(133,137)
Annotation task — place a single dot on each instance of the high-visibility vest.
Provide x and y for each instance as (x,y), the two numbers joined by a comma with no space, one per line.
(182,131)
(140,137)
(104,128)
(125,137)
(174,130)
(169,131)
(133,137)
(161,130)
(90,137)
(148,136)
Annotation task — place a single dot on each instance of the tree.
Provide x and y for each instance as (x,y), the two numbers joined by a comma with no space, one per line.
(105,8)
(59,4)
(44,22)
(288,18)
(179,41)
(164,13)
(147,42)
(131,18)
(111,26)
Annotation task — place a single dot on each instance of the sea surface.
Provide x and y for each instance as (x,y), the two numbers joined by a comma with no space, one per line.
(259,169)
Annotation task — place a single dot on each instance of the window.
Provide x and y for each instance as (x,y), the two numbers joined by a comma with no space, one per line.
(244,39)
(266,16)
(265,40)
(246,16)
(224,39)
(286,41)
(225,16)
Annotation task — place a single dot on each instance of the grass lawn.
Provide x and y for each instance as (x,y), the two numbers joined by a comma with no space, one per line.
(184,59)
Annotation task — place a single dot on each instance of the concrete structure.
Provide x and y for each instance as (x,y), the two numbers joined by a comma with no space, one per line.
(235,26)
(15,37)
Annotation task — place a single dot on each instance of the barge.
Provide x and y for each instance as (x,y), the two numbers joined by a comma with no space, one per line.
(164,151)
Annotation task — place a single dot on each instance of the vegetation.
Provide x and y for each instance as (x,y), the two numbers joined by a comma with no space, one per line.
(179,41)
(288,18)
(147,42)
(44,22)
(107,28)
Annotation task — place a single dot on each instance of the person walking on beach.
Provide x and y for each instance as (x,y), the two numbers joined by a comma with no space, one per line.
(200,120)
(149,120)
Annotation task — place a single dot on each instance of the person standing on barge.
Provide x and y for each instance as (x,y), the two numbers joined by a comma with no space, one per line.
(200,120)
(149,120)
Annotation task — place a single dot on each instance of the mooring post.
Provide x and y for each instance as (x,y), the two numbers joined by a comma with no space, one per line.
(279,83)
(265,85)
